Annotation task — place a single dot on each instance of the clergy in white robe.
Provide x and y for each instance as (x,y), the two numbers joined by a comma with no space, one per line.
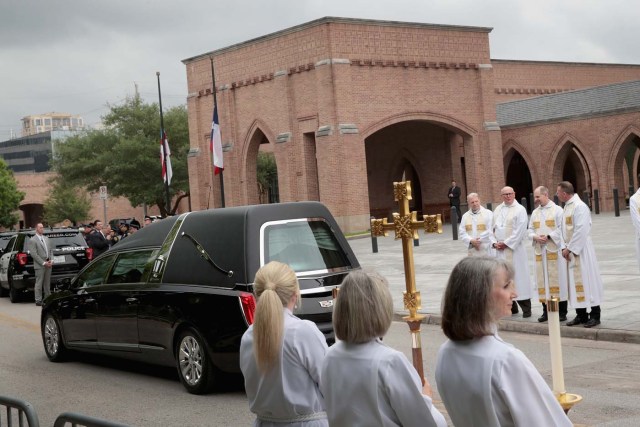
(476,228)
(289,393)
(365,382)
(550,268)
(482,380)
(510,223)
(281,357)
(634,207)
(487,382)
(371,384)
(583,275)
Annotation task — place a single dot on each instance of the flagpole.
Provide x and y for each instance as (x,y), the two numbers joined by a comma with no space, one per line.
(164,151)
(215,106)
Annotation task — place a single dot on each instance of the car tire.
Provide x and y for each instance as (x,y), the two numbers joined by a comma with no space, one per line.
(52,339)
(3,292)
(14,294)
(195,369)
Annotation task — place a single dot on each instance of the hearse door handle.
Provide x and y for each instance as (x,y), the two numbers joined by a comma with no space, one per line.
(90,300)
(131,300)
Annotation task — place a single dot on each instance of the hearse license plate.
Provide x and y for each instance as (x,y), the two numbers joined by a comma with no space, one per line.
(58,259)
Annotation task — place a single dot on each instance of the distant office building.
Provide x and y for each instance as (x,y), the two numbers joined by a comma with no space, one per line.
(32,153)
(35,124)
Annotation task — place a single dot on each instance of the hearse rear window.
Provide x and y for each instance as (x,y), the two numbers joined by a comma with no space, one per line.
(307,245)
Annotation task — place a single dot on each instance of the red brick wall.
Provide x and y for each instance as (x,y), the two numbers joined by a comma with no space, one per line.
(601,141)
(379,89)
(380,75)
(37,188)
(526,79)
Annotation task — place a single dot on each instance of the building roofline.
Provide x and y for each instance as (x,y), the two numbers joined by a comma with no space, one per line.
(335,20)
(577,64)
(576,115)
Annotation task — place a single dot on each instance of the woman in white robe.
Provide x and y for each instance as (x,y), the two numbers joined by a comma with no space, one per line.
(482,380)
(365,382)
(281,355)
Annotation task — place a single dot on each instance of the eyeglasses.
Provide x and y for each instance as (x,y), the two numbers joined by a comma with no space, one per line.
(508,194)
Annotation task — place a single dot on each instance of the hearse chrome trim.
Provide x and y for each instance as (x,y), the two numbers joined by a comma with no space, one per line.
(318,290)
(204,255)
(165,250)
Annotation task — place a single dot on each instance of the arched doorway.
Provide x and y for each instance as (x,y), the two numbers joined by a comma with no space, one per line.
(571,165)
(625,172)
(518,175)
(427,153)
(32,214)
(261,171)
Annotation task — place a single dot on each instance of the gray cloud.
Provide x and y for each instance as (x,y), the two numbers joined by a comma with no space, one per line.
(78,55)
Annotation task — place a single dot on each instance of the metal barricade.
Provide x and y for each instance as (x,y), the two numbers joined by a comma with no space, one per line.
(83,420)
(16,413)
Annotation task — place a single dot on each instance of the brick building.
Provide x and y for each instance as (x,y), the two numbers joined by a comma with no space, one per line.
(348,106)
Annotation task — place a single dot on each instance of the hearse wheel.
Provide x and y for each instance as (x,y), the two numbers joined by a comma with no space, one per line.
(52,339)
(195,369)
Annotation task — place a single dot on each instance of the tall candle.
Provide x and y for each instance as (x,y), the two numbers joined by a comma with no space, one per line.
(557,372)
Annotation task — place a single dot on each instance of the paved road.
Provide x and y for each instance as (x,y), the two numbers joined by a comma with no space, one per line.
(606,374)
(613,238)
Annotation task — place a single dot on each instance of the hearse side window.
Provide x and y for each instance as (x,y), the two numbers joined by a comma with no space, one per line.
(95,273)
(130,267)
(306,245)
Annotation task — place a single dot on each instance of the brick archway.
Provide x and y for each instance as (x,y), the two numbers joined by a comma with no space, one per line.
(618,171)
(257,136)
(571,154)
(436,149)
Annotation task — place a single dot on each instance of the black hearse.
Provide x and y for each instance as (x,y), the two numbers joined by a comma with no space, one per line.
(179,292)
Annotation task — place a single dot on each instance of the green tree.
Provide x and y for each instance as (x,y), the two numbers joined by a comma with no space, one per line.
(125,156)
(10,197)
(267,172)
(66,202)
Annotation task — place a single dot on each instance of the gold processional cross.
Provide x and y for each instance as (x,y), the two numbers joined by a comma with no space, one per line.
(406,228)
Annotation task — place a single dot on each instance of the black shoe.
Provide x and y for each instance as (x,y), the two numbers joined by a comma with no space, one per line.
(576,321)
(526,315)
(563,317)
(543,318)
(591,323)
(38,303)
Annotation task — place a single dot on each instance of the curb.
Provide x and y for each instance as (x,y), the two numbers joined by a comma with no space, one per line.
(594,334)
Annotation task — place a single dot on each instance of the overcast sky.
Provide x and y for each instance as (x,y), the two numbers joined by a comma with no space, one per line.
(77,56)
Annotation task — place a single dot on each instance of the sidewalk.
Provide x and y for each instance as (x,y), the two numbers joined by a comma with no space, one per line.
(614,242)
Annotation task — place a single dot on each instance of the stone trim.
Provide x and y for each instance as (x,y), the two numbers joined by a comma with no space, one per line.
(226,147)
(347,128)
(372,62)
(491,126)
(324,131)
(194,152)
(283,137)
(529,91)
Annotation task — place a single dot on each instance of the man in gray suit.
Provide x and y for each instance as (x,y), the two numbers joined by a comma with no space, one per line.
(41,253)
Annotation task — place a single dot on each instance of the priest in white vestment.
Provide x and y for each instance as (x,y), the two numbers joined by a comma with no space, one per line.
(634,207)
(583,275)
(509,234)
(550,268)
(484,381)
(476,228)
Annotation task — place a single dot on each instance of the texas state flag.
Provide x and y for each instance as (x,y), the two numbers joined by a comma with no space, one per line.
(216,143)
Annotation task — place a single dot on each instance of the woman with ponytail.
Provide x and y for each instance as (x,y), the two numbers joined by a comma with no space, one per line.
(281,355)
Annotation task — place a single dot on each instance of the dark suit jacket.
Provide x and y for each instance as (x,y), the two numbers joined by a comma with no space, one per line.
(98,242)
(454,200)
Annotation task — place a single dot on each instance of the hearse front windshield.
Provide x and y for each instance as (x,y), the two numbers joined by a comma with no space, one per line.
(308,245)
